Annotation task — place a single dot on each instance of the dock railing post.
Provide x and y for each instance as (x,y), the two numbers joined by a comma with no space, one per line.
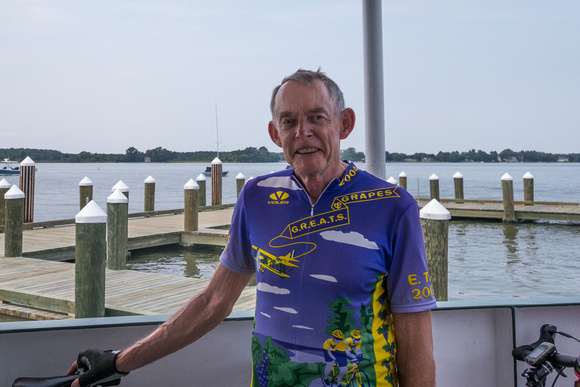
(403,180)
(85,192)
(149,201)
(216,182)
(90,255)
(14,217)
(434,187)
(458,185)
(201,182)
(528,188)
(4,187)
(117,230)
(435,223)
(27,181)
(121,187)
(240,181)
(507,187)
(392,180)
(191,206)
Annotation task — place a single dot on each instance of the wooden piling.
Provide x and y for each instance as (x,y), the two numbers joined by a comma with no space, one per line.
(149,203)
(216,182)
(4,187)
(121,187)
(201,182)
(240,181)
(458,184)
(507,186)
(117,230)
(90,254)
(27,181)
(392,180)
(403,180)
(14,216)
(435,223)
(191,206)
(434,187)
(528,188)
(85,192)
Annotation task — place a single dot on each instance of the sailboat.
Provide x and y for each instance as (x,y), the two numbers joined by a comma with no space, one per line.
(207,171)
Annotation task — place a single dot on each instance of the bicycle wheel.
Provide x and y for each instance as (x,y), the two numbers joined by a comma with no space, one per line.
(360,379)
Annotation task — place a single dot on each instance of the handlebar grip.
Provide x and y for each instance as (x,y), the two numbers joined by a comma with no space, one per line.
(57,381)
(566,361)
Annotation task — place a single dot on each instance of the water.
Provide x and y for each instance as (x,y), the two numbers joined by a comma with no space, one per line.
(487,260)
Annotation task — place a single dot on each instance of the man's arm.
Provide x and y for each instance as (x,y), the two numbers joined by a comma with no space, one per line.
(199,316)
(415,361)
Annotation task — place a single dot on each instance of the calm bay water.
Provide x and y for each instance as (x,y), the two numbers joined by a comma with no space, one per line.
(487,260)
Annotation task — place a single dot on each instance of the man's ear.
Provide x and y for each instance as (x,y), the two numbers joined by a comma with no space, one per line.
(348,120)
(274,135)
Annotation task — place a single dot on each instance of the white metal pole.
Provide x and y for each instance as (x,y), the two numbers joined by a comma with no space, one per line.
(374,90)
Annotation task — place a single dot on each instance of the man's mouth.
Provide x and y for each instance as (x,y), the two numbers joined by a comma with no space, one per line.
(304,151)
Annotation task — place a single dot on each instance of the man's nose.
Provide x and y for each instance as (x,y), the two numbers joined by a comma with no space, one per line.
(304,128)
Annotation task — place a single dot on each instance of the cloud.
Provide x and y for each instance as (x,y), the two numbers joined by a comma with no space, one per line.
(351,238)
(279,182)
(287,310)
(302,327)
(324,277)
(264,287)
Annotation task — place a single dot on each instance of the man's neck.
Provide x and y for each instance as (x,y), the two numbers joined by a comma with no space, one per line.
(315,184)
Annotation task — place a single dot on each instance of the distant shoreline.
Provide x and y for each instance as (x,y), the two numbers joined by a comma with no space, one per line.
(262,155)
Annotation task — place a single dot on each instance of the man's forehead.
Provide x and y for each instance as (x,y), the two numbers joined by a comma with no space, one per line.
(293,95)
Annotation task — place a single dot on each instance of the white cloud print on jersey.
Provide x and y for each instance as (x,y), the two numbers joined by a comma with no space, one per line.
(350,238)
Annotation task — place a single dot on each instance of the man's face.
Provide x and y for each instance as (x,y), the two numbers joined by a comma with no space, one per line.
(306,126)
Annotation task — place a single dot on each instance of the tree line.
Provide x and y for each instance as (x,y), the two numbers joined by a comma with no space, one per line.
(257,155)
(133,155)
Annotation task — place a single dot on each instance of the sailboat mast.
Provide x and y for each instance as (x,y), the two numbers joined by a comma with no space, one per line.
(217,137)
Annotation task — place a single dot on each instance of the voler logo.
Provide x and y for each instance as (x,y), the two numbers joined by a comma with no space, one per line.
(279,197)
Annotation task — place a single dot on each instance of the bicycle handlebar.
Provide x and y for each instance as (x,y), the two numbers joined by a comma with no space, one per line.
(547,333)
(57,381)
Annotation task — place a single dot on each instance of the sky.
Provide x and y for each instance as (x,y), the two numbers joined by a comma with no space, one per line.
(103,76)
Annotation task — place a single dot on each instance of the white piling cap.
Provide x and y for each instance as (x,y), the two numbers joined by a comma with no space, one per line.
(91,213)
(458,175)
(86,182)
(27,162)
(392,180)
(120,186)
(201,177)
(117,197)
(216,161)
(434,210)
(150,180)
(14,193)
(5,184)
(240,176)
(506,176)
(433,177)
(402,174)
(191,184)
(528,175)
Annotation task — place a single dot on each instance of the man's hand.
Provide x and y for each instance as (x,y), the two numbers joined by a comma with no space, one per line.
(97,367)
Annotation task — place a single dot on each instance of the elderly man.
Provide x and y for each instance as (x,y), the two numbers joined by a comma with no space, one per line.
(334,249)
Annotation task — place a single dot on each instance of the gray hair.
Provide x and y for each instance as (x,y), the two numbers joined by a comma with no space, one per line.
(309,77)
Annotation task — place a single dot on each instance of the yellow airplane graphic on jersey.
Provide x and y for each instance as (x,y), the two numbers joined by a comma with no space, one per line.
(278,265)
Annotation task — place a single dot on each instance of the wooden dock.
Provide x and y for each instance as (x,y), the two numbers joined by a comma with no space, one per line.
(40,289)
(524,211)
(34,288)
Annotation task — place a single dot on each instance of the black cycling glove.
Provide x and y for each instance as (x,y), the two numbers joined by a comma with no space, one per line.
(98,368)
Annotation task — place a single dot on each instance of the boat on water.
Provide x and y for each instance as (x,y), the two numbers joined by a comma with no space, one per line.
(7,167)
(472,345)
(207,172)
